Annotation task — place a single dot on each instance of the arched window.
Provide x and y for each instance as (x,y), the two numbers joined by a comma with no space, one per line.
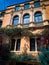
(38,17)
(26,18)
(0,23)
(15,20)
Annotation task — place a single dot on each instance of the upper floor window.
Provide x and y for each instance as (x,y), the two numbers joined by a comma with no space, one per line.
(2,14)
(38,17)
(26,18)
(17,8)
(26,6)
(15,20)
(0,23)
(37,3)
(15,45)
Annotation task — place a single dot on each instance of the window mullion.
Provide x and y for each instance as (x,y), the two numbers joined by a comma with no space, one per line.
(38,19)
(15,45)
(35,43)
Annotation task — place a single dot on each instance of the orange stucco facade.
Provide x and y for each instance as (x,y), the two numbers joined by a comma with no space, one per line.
(7,19)
(36,28)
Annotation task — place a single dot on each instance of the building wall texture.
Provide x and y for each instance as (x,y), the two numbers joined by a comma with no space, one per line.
(11,12)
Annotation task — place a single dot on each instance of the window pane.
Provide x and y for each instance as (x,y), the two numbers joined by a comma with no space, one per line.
(26,6)
(18,45)
(17,8)
(26,18)
(38,44)
(38,14)
(0,23)
(2,14)
(32,44)
(13,44)
(38,17)
(16,20)
(36,4)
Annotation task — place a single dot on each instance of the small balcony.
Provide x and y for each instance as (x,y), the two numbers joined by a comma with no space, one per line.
(39,24)
(31,24)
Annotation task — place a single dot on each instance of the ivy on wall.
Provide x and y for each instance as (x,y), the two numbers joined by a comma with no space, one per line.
(15,32)
(20,32)
(46,31)
(23,57)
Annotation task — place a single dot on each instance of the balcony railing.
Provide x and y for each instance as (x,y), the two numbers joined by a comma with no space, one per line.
(31,24)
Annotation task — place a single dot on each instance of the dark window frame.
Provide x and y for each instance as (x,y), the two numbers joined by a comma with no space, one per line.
(37,3)
(17,8)
(26,6)
(15,20)
(18,45)
(37,16)
(26,17)
(0,23)
(13,44)
(32,48)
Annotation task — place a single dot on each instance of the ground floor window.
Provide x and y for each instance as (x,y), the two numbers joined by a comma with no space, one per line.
(18,45)
(32,44)
(15,45)
(35,44)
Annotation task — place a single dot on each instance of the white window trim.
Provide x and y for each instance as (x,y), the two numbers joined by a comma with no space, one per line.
(15,47)
(35,46)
